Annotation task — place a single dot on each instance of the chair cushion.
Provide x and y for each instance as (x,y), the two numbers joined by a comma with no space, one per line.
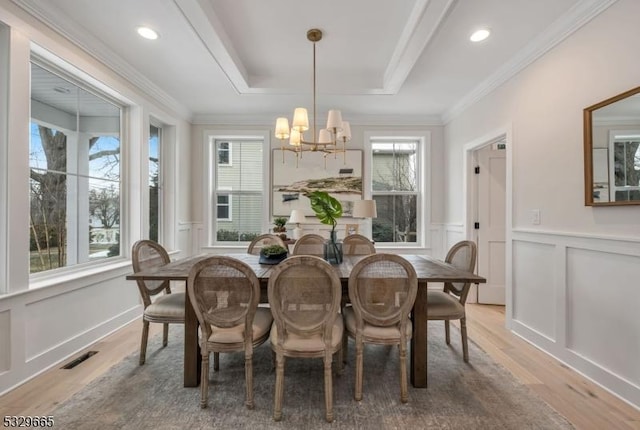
(371,331)
(441,305)
(314,343)
(261,325)
(166,308)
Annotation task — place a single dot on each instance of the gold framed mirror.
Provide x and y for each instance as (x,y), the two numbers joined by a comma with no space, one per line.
(612,151)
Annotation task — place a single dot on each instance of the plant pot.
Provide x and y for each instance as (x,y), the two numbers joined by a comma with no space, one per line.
(272,259)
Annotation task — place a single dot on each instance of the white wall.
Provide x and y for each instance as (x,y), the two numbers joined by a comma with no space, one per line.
(574,277)
(45,321)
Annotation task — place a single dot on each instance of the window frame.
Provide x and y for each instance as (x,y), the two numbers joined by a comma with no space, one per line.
(423,196)
(229,204)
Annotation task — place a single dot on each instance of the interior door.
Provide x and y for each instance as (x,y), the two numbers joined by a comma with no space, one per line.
(491,201)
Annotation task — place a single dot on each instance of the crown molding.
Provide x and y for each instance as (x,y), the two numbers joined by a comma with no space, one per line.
(95,48)
(580,14)
(268,120)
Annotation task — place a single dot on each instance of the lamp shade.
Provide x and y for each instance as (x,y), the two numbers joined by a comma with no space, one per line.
(296,217)
(365,209)
(324,136)
(300,120)
(345,134)
(294,139)
(334,119)
(282,128)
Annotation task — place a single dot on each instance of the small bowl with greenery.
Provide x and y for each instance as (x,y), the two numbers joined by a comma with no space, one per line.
(272,254)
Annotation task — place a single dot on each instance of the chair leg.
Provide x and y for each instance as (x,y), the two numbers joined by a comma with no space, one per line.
(143,342)
(359,364)
(277,408)
(447,332)
(340,360)
(345,347)
(404,392)
(248,376)
(328,388)
(465,346)
(204,381)
(216,361)
(165,334)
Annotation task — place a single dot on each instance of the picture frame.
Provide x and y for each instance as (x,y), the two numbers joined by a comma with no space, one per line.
(338,174)
(352,229)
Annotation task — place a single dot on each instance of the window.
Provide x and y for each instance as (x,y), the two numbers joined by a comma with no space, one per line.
(238,189)
(75,173)
(224,207)
(626,167)
(224,153)
(396,188)
(154,182)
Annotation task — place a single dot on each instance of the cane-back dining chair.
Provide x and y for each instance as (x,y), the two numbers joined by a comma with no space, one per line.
(224,293)
(304,295)
(357,244)
(382,289)
(264,240)
(167,308)
(309,244)
(449,304)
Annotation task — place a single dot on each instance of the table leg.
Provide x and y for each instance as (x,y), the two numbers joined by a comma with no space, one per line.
(192,357)
(419,339)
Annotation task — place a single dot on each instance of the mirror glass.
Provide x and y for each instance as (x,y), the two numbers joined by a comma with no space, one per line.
(612,151)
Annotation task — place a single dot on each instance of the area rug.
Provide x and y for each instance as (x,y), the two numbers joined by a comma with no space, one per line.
(476,395)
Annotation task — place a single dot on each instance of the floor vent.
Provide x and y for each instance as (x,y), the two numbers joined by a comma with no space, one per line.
(79,360)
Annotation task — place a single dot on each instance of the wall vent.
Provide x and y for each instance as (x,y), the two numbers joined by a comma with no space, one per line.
(75,362)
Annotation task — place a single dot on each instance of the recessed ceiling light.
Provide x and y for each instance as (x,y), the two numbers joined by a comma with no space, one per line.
(480,35)
(147,33)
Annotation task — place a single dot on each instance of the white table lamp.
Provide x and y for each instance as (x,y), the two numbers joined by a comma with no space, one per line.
(364,209)
(296,218)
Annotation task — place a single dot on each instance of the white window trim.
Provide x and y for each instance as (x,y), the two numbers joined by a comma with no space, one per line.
(209,186)
(423,137)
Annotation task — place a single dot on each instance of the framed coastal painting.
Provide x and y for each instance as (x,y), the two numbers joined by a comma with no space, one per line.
(342,178)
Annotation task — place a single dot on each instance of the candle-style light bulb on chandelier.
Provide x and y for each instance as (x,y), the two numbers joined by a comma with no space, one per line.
(327,140)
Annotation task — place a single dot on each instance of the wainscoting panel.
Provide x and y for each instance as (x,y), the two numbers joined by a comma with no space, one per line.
(54,320)
(5,340)
(576,296)
(534,287)
(603,296)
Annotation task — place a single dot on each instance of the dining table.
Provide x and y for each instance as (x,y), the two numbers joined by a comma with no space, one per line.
(428,270)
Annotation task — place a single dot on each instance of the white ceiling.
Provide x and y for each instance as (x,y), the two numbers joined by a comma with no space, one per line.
(236,60)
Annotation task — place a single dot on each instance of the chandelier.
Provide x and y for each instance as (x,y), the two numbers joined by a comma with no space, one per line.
(327,140)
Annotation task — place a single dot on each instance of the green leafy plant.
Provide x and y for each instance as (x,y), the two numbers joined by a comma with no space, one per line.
(328,209)
(273,250)
(279,223)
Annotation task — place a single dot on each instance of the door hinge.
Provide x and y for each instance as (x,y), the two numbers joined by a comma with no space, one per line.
(476,226)
(477,170)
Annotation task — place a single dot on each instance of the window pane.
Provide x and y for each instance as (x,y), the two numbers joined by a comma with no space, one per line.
(223,152)
(245,221)
(75,174)
(154,178)
(396,220)
(394,166)
(246,172)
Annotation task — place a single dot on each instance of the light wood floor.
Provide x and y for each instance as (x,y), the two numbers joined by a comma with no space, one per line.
(583,403)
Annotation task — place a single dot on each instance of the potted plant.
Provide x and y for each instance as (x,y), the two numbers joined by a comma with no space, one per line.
(272,254)
(280,228)
(328,209)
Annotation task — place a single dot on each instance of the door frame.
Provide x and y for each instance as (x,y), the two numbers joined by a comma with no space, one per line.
(469,202)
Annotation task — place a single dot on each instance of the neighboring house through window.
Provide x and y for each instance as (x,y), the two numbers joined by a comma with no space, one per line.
(238,188)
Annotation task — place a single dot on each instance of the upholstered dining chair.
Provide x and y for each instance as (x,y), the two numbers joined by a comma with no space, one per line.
(167,308)
(449,303)
(357,244)
(264,240)
(309,244)
(382,289)
(224,293)
(304,295)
